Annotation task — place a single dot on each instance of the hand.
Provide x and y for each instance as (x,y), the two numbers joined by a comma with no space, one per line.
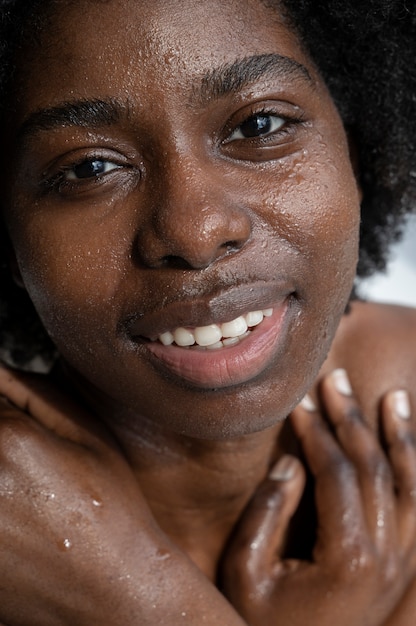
(78,543)
(364,557)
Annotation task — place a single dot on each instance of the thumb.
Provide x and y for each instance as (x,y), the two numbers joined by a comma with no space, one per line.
(259,538)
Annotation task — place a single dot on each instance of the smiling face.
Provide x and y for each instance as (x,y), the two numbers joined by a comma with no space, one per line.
(176,166)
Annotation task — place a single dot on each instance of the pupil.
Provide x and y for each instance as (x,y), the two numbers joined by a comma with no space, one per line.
(256,125)
(89,169)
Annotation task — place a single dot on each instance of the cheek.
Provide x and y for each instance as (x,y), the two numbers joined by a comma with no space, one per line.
(315,215)
(72,273)
(316,211)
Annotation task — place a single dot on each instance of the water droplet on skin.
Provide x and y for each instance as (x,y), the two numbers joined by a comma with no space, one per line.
(354,564)
(380,520)
(49,496)
(64,545)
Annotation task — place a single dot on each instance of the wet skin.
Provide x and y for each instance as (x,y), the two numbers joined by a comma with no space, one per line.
(189,222)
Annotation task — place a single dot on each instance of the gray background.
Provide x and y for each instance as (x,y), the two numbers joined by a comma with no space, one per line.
(398,285)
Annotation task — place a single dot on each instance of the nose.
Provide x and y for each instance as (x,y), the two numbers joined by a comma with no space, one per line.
(194,219)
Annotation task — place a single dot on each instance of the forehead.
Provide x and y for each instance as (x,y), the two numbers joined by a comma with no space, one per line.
(97,45)
(163,26)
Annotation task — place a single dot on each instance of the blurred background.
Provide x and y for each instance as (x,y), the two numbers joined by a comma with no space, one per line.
(398,284)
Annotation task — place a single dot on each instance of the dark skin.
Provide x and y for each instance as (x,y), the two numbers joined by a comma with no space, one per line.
(185,225)
(92,536)
(200,232)
(375,343)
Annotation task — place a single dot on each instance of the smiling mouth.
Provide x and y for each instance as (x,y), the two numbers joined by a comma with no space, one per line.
(259,337)
(215,336)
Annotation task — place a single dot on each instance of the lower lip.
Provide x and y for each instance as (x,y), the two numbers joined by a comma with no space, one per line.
(230,365)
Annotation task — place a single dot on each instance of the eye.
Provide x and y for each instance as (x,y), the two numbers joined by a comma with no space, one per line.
(87,174)
(259,125)
(90,168)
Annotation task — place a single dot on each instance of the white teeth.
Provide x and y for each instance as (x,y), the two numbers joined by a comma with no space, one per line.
(235,328)
(216,336)
(215,346)
(254,318)
(231,341)
(207,335)
(166,338)
(183,337)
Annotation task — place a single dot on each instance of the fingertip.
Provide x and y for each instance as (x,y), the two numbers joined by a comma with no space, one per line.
(400,402)
(341,382)
(308,404)
(396,414)
(285,469)
(304,415)
(396,407)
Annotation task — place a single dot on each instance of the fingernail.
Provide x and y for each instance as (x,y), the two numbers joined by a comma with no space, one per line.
(341,382)
(308,404)
(284,469)
(401,404)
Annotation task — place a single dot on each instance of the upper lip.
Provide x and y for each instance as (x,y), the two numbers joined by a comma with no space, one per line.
(220,306)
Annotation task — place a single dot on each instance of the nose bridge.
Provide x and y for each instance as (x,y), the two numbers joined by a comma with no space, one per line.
(192,204)
(194,218)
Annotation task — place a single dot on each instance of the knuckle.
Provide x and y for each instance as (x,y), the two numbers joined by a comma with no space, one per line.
(406,440)
(358,564)
(337,465)
(353,414)
(377,466)
(246,550)
(390,572)
(269,499)
(244,570)
(361,562)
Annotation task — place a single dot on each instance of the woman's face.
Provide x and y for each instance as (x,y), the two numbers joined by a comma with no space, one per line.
(175,164)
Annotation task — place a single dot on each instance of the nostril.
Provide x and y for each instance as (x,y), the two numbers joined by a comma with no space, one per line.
(232,246)
(190,244)
(175,262)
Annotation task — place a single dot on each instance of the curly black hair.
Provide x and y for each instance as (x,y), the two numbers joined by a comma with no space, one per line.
(365,52)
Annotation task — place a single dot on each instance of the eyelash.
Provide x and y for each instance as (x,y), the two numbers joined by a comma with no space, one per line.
(288,122)
(59,183)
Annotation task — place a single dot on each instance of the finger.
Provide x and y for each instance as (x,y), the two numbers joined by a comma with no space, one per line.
(342,528)
(261,532)
(361,446)
(45,403)
(399,430)
(32,392)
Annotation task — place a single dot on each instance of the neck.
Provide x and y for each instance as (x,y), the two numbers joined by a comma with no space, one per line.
(196,489)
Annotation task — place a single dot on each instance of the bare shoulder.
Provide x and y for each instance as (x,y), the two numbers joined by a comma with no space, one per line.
(376,343)
(381,327)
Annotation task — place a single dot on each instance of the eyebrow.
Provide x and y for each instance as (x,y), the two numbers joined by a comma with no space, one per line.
(214,84)
(82,113)
(234,77)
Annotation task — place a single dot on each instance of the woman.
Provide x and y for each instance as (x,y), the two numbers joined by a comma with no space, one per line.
(182,206)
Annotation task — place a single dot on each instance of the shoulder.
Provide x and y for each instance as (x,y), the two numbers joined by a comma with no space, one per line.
(376,344)
(373,326)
